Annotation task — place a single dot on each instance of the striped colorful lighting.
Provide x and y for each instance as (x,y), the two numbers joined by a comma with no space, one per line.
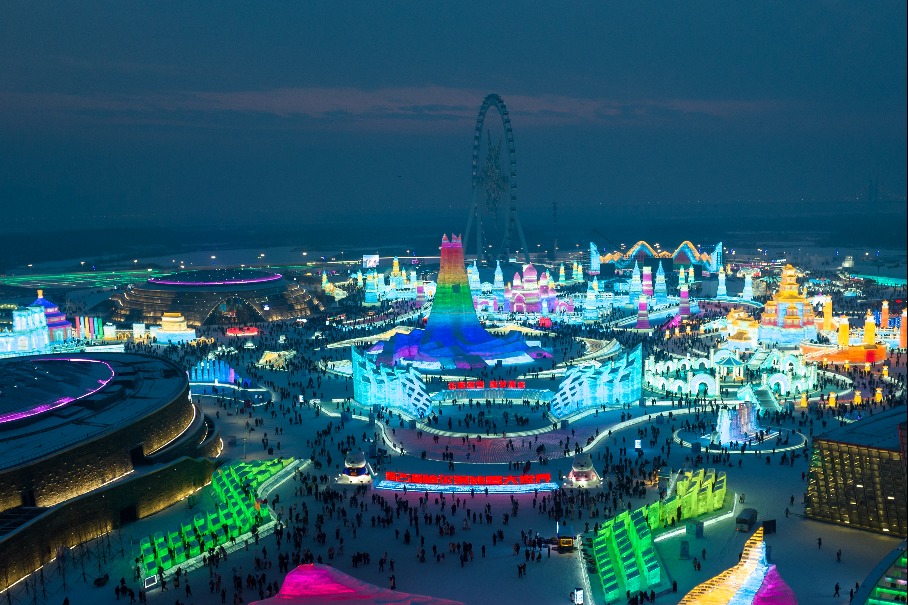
(466,489)
(753,581)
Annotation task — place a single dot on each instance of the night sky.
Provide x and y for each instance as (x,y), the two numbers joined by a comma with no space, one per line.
(122,115)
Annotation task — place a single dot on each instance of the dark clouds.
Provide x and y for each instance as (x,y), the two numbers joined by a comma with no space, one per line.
(315,111)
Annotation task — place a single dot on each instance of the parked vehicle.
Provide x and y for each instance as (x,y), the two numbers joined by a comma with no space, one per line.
(746,519)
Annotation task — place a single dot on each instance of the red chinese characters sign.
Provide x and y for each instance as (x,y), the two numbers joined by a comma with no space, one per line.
(481,384)
(468,479)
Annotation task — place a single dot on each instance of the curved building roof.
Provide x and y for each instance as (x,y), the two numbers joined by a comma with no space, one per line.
(34,386)
(67,399)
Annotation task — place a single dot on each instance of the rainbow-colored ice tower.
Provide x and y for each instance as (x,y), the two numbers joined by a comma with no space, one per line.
(453,317)
(453,337)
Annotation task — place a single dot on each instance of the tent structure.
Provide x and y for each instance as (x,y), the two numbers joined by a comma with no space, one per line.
(314,584)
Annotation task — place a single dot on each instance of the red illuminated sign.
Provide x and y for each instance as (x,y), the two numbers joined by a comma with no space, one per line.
(481,384)
(468,479)
(244,331)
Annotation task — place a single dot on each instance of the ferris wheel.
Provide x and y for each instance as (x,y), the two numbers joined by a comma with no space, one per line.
(494,204)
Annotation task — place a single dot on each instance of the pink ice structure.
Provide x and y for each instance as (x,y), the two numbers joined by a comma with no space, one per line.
(314,584)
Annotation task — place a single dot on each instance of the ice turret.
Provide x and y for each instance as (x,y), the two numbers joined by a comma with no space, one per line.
(844,335)
(661,290)
(869,329)
(473,278)
(636,286)
(590,304)
(748,293)
(371,295)
(721,291)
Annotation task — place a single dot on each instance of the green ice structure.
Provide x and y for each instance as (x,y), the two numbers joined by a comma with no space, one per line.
(623,548)
(236,513)
(625,555)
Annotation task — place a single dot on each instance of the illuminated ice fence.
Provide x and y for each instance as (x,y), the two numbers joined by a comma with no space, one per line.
(613,383)
(213,370)
(237,511)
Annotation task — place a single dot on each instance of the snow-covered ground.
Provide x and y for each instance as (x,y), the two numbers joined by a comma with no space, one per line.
(811,571)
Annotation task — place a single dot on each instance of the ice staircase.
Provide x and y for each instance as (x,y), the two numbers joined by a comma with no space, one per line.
(766,399)
(625,556)
(757,359)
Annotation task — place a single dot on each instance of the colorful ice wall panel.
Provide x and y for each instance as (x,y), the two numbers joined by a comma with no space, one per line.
(612,383)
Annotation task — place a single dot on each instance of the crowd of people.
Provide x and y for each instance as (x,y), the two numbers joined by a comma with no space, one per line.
(322,522)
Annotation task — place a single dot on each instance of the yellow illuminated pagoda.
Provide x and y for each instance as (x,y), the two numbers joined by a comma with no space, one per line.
(789,317)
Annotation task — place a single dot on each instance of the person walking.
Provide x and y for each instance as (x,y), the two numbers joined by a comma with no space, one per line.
(836,590)
(838,556)
(819,542)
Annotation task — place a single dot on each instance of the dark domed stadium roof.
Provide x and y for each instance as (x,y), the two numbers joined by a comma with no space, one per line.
(212,278)
(32,386)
